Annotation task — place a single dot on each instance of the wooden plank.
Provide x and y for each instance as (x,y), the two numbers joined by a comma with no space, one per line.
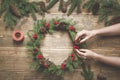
(14,61)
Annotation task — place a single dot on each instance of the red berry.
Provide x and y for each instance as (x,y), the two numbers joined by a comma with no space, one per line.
(72,28)
(72,55)
(76,47)
(40,56)
(35,36)
(63,66)
(47,25)
(55,23)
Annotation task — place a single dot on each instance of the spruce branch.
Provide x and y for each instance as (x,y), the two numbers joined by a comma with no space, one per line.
(72,7)
(87,73)
(18,9)
(51,4)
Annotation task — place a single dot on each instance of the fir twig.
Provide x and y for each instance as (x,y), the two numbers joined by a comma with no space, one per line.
(51,4)
(72,7)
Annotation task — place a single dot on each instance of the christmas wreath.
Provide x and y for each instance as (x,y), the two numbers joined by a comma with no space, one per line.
(40,63)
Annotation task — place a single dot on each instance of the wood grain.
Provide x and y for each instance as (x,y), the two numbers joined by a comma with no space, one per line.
(15,63)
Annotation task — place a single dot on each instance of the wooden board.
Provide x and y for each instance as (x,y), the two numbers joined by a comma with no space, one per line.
(15,63)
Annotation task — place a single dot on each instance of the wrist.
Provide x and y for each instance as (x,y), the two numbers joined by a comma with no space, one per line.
(97,57)
(95,32)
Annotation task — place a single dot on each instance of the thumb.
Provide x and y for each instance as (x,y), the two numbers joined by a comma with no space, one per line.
(84,39)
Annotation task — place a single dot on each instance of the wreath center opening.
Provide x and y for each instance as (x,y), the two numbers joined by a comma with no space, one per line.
(56,47)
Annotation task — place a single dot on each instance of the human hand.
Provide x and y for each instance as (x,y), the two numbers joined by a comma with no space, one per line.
(85,34)
(86,54)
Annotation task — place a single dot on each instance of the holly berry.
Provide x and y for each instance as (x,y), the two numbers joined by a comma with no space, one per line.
(72,28)
(72,55)
(63,66)
(47,25)
(35,36)
(40,56)
(76,47)
(55,23)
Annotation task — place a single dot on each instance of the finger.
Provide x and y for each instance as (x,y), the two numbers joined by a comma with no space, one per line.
(83,50)
(80,53)
(82,57)
(79,35)
(84,39)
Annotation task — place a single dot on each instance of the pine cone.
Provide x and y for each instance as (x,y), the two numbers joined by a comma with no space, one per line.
(15,10)
(64,7)
(43,30)
(95,8)
(35,51)
(101,77)
(63,26)
(42,6)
